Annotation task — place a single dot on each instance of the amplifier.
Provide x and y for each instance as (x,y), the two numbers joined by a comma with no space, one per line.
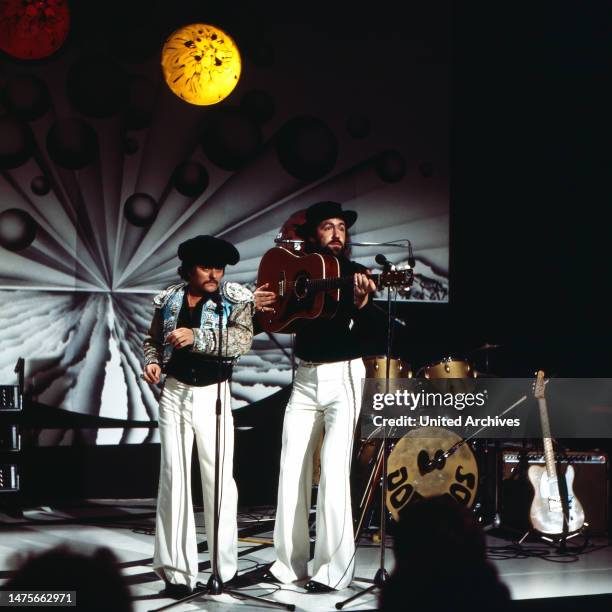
(590,486)
(9,478)
(10,398)
(10,438)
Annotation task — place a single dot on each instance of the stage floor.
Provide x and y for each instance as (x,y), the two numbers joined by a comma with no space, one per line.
(536,571)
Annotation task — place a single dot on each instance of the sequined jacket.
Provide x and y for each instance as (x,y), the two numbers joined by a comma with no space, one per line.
(238,308)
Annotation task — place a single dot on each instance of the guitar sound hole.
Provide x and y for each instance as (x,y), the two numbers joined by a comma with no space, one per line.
(300,288)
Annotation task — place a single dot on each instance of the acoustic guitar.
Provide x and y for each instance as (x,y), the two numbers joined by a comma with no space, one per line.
(308,287)
(547,514)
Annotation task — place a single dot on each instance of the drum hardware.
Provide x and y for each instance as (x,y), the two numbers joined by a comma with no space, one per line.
(486,347)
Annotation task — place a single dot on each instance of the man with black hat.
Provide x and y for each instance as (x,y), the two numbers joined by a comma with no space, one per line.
(326,397)
(183,341)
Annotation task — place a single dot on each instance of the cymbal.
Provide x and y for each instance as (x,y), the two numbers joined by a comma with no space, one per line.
(485,347)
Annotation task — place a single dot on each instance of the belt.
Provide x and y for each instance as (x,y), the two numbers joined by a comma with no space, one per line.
(312,364)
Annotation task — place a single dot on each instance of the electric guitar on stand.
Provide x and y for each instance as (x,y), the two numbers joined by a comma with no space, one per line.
(555,510)
(308,287)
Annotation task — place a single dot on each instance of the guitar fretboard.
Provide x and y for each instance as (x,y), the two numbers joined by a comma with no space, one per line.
(326,284)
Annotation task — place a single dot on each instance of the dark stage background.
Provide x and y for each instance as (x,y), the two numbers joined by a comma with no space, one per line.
(529,191)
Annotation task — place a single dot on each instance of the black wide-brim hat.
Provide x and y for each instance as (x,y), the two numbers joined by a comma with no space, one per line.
(325,210)
(208,251)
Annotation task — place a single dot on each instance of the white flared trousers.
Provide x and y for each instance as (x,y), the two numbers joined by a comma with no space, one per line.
(328,397)
(184,412)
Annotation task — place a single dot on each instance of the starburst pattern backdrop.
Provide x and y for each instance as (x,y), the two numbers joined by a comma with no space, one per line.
(105,172)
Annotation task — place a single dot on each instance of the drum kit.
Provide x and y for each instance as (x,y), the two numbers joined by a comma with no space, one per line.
(416,463)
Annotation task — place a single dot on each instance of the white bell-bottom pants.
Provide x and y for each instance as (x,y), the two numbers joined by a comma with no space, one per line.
(326,396)
(186,411)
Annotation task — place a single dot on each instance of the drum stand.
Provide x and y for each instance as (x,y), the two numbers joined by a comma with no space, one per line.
(381,575)
(215,585)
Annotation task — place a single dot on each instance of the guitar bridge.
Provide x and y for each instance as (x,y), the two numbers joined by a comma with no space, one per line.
(281,285)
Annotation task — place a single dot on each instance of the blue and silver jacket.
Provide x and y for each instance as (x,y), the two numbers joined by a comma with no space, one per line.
(238,307)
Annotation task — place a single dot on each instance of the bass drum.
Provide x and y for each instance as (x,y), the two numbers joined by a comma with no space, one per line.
(416,467)
(367,466)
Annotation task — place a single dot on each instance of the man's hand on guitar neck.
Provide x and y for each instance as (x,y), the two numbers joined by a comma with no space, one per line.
(362,287)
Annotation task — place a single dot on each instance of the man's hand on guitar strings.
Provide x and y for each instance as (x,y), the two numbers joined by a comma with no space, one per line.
(264,299)
(362,287)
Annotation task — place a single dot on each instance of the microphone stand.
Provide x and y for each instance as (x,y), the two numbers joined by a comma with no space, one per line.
(215,585)
(381,574)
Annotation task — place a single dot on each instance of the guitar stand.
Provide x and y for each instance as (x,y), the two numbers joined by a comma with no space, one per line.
(560,541)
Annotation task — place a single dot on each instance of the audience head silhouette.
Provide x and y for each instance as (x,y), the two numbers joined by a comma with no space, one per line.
(440,558)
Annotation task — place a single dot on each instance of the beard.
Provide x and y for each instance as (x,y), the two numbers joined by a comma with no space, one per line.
(334,248)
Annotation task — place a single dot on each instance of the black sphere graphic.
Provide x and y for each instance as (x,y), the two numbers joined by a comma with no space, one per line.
(130,146)
(27,97)
(17,229)
(40,185)
(258,105)
(16,142)
(230,138)
(190,179)
(307,148)
(97,86)
(140,209)
(72,143)
(391,166)
(358,126)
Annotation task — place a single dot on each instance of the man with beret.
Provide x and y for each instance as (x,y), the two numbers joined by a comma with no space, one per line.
(183,342)
(326,397)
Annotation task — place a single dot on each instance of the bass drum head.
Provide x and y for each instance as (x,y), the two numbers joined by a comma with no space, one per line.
(416,468)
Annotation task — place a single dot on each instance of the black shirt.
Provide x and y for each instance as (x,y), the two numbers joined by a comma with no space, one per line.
(335,339)
(194,368)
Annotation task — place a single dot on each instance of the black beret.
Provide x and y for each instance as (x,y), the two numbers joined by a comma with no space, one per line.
(325,210)
(208,251)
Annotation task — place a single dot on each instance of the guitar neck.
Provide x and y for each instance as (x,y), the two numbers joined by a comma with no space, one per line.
(327,284)
(549,454)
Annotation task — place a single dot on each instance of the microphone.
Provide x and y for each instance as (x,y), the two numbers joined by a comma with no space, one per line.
(218,300)
(411,260)
(404,242)
(296,245)
(381,260)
